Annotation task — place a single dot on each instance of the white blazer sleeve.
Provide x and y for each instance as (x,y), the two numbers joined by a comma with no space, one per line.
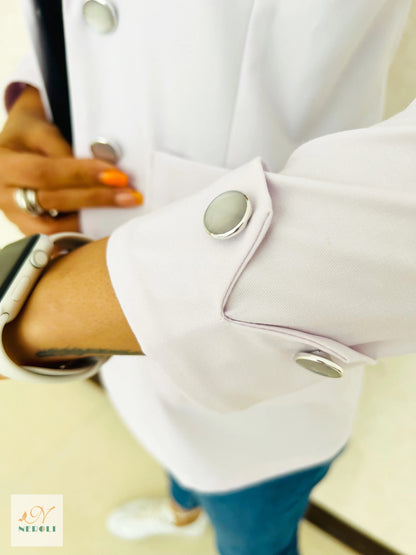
(327,262)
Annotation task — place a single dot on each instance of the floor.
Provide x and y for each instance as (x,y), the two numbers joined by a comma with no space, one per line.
(68,440)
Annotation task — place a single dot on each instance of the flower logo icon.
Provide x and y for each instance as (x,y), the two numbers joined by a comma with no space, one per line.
(36,512)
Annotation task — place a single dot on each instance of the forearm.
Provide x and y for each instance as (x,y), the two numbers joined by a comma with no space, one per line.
(72,312)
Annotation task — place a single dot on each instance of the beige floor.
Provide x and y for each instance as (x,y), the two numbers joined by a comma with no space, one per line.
(373,485)
(68,440)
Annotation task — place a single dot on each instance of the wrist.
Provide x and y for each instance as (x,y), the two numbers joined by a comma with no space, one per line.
(24,336)
(31,311)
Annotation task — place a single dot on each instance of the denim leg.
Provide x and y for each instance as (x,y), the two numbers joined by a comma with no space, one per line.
(183,497)
(262,519)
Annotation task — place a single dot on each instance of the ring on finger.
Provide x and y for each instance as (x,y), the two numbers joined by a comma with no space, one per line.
(35,207)
(27,201)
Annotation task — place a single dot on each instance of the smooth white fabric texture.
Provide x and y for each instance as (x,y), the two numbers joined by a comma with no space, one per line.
(327,260)
(28,71)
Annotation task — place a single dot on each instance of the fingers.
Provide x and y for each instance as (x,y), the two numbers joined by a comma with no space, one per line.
(46,139)
(34,155)
(29,101)
(30,225)
(39,172)
(28,129)
(72,200)
(68,202)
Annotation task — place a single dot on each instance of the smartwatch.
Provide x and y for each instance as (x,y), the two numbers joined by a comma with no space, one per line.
(21,265)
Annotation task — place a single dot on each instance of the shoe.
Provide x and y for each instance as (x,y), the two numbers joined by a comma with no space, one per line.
(146,517)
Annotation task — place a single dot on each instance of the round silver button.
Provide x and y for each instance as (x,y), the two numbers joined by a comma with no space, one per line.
(227,215)
(320,363)
(39,259)
(106,150)
(100,15)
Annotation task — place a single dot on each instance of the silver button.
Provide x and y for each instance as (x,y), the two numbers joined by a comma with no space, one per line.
(106,150)
(100,15)
(320,363)
(227,215)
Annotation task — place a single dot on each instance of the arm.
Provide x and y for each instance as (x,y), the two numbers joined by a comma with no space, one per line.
(72,312)
(326,262)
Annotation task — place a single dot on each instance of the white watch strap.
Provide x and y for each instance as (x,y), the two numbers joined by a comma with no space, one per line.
(69,241)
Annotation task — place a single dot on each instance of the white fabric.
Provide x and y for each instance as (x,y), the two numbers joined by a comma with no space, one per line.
(195,89)
(28,71)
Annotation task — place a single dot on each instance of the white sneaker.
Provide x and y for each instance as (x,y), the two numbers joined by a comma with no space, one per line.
(150,517)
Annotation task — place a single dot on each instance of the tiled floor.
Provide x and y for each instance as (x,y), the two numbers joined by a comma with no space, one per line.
(68,440)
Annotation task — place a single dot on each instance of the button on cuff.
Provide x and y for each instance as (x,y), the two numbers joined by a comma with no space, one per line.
(320,363)
(227,215)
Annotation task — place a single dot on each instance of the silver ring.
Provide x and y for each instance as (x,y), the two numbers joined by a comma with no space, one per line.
(27,200)
(20,199)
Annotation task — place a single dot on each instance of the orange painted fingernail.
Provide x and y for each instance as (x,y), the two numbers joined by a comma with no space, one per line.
(138,196)
(129,198)
(114,178)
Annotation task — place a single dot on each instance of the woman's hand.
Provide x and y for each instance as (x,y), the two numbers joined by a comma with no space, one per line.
(34,155)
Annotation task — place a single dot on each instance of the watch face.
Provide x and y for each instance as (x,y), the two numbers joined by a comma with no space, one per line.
(11,259)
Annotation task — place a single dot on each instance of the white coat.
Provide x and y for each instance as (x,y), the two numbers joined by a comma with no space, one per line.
(190,90)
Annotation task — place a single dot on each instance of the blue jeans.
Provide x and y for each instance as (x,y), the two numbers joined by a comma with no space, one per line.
(258,520)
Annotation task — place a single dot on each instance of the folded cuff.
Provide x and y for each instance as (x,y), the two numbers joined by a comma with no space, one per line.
(174,282)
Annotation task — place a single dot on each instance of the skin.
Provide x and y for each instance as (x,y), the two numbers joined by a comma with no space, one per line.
(72,312)
(34,154)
